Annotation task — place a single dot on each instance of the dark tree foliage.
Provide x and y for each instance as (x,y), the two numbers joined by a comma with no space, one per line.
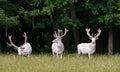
(40,18)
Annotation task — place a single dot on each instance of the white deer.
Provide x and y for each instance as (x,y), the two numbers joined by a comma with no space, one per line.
(88,48)
(57,45)
(25,49)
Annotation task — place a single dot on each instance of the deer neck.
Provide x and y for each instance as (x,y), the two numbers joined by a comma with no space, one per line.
(59,41)
(93,44)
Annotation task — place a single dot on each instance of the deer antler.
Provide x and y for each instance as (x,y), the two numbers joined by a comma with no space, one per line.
(25,36)
(98,34)
(66,30)
(55,35)
(88,32)
(60,33)
(11,43)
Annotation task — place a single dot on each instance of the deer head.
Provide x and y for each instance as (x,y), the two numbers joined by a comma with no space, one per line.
(59,35)
(92,37)
(18,48)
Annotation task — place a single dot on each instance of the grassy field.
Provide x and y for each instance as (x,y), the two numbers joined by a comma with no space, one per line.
(69,63)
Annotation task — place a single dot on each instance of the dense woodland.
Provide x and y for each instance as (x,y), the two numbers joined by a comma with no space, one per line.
(40,18)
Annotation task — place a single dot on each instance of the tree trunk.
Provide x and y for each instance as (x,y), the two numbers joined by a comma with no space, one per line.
(76,35)
(75,31)
(110,42)
(52,22)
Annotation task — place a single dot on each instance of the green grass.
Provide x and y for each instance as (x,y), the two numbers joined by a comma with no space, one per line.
(69,63)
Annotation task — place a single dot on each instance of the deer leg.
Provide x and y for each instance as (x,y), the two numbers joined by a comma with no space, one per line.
(61,55)
(79,52)
(53,53)
(89,55)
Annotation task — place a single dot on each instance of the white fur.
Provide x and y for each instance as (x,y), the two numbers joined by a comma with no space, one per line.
(25,49)
(86,48)
(57,47)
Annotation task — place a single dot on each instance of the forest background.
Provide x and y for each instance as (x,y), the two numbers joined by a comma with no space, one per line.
(40,18)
